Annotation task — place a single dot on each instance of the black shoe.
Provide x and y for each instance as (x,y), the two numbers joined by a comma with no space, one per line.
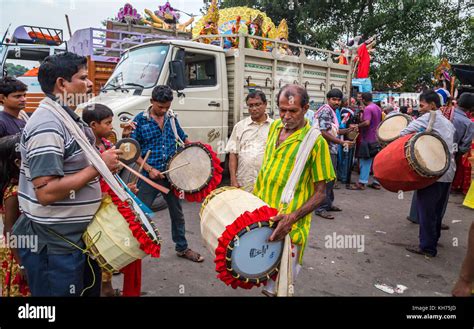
(418,251)
(444,227)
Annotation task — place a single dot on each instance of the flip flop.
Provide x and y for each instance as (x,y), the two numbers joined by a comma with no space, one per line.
(324,214)
(357,187)
(191,255)
(375,186)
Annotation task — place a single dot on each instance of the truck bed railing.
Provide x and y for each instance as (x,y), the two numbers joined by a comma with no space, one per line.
(37,35)
(105,45)
(306,51)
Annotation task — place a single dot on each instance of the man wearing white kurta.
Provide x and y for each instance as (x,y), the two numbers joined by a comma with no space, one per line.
(246,145)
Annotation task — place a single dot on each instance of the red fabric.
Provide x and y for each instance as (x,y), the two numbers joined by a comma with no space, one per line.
(132,279)
(462,179)
(393,171)
(213,183)
(146,243)
(364,62)
(262,214)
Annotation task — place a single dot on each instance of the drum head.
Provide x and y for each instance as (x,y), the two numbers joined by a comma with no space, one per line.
(252,256)
(195,170)
(431,154)
(130,148)
(390,128)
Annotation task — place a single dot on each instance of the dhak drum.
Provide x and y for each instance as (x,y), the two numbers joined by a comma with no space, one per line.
(235,227)
(195,171)
(390,128)
(109,237)
(412,162)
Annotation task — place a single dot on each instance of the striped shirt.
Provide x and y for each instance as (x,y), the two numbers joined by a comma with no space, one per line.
(48,149)
(277,165)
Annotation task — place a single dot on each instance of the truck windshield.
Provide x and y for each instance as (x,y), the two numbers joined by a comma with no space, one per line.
(139,67)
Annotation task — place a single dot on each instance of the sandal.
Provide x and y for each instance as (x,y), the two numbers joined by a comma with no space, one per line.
(191,255)
(375,186)
(334,208)
(324,214)
(357,186)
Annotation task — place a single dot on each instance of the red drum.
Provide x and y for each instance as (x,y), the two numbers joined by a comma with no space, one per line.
(411,162)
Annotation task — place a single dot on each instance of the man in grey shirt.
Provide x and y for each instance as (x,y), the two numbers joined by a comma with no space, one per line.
(432,200)
(59,189)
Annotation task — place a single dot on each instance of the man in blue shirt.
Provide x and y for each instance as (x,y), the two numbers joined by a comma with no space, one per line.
(153,132)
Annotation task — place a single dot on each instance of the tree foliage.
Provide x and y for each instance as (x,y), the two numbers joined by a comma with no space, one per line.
(412,35)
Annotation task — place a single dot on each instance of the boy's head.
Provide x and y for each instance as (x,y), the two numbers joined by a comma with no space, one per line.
(13,94)
(161,98)
(65,74)
(429,101)
(99,117)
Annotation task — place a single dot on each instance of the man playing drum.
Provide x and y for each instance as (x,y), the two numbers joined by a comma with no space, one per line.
(59,190)
(154,132)
(284,140)
(246,145)
(431,201)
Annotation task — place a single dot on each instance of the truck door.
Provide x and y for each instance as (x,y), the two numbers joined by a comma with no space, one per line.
(200,111)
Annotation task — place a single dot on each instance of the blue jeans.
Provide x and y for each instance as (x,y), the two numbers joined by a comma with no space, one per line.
(344,164)
(365,167)
(147,194)
(61,275)
(327,204)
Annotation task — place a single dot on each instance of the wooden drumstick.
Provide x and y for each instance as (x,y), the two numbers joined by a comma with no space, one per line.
(177,167)
(145,179)
(135,179)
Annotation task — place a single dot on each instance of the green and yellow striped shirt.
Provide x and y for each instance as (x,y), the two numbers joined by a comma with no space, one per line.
(278,162)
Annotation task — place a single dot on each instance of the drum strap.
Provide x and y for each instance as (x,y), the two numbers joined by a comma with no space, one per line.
(172,116)
(285,277)
(431,121)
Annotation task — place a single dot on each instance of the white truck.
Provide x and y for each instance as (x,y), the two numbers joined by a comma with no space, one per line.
(211,83)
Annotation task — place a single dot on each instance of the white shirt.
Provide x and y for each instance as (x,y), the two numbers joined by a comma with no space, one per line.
(248,141)
(444,128)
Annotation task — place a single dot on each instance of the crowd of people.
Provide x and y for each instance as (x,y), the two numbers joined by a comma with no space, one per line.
(42,163)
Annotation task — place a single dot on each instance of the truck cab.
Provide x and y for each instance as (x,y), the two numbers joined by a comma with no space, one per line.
(202,103)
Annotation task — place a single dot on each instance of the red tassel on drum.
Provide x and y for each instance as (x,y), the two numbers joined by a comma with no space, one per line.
(213,183)
(146,243)
(262,214)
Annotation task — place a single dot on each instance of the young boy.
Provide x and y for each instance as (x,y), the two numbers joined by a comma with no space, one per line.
(432,200)
(13,99)
(99,117)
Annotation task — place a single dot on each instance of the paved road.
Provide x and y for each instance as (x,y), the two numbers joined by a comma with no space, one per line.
(378,216)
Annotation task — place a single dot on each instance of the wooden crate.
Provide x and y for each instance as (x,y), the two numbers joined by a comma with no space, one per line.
(32,101)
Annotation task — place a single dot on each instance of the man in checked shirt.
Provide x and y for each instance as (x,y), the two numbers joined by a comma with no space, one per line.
(153,132)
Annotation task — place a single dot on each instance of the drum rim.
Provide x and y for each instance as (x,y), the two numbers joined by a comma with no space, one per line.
(217,191)
(386,141)
(156,240)
(131,141)
(228,256)
(410,154)
(176,154)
